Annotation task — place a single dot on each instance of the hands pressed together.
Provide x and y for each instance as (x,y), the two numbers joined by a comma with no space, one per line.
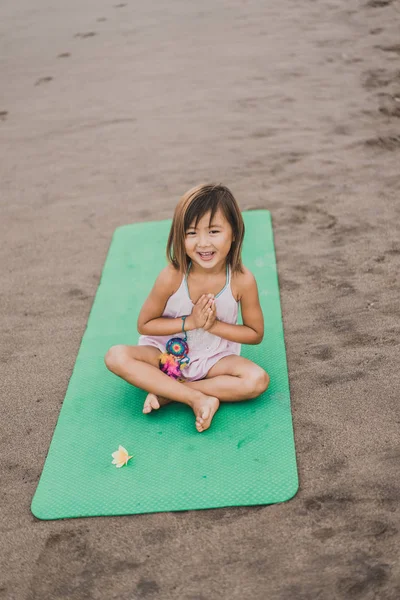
(204,313)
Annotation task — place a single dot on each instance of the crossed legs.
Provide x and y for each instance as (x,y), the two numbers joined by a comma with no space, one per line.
(231,379)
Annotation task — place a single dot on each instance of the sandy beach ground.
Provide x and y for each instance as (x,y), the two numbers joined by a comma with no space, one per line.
(108,113)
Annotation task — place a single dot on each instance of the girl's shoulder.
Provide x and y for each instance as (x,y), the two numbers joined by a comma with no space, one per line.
(241,281)
(170,279)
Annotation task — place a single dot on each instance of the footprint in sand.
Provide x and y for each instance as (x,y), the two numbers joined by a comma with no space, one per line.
(101,19)
(390,142)
(64,55)
(390,105)
(378,3)
(85,35)
(3,115)
(395,48)
(376,78)
(43,80)
(119,5)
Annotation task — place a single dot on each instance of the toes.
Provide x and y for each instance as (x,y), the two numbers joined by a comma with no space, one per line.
(204,415)
(151,403)
(201,425)
(154,403)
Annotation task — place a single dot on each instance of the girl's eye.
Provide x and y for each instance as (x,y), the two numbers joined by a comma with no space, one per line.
(194,233)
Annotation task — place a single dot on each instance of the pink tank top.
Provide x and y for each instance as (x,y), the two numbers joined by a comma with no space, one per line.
(202,344)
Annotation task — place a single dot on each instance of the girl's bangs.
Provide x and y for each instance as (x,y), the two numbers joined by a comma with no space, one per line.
(199,207)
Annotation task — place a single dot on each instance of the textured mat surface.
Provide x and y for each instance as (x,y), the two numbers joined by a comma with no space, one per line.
(246,457)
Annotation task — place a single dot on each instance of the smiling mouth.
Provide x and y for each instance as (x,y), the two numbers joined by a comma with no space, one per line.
(206,255)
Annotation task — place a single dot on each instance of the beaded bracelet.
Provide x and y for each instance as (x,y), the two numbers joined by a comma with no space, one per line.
(183,326)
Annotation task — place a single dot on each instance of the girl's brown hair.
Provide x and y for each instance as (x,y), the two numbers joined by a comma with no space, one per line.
(192,207)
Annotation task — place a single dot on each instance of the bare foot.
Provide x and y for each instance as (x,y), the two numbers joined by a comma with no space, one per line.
(154,402)
(204,409)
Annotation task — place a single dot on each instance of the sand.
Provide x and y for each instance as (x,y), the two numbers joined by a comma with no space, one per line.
(108,114)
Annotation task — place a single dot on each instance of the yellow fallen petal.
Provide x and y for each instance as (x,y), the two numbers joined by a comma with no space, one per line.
(120,457)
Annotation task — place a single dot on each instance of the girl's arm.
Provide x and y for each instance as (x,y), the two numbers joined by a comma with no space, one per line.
(252,330)
(150,321)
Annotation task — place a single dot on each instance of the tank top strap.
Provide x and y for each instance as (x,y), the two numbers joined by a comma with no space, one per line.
(187,272)
(227,280)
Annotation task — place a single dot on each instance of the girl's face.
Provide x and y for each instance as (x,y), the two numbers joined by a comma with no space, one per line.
(209,243)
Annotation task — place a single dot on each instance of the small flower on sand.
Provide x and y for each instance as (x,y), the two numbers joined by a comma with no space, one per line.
(120,457)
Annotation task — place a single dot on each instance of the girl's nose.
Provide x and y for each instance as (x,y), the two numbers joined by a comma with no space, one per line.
(203,241)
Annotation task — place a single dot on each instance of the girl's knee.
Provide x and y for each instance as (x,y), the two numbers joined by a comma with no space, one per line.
(259,382)
(114,357)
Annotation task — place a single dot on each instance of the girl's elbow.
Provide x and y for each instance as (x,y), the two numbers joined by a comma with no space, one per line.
(259,338)
(255,338)
(140,328)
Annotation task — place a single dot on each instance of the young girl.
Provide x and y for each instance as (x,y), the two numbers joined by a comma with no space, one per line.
(197,296)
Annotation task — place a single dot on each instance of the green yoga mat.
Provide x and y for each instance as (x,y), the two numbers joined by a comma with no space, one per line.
(247,456)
